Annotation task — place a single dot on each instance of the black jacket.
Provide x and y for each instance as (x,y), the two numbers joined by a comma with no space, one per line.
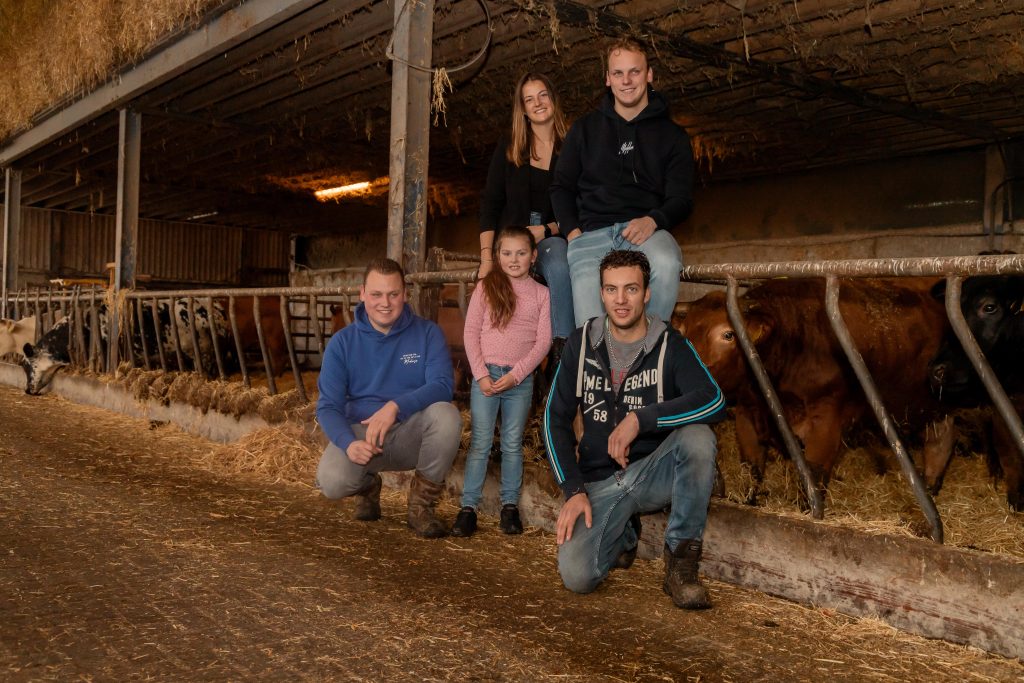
(611,170)
(506,198)
(668,387)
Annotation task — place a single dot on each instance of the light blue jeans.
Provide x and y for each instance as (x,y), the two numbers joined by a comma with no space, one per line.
(514,405)
(680,473)
(584,255)
(554,268)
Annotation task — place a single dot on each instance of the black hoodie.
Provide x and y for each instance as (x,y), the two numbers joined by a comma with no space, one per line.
(611,170)
(668,387)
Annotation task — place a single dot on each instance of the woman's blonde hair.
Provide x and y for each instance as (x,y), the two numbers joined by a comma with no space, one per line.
(521,141)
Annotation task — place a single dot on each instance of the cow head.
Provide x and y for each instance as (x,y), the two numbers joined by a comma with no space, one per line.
(991,305)
(707,327)
(40,368)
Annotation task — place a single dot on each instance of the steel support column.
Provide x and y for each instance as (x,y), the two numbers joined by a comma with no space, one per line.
(12,230)
(129,146)
(410,132)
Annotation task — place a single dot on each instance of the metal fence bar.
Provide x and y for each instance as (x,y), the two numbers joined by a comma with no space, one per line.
(900,267)
(233,318)
(885,420)
(176,334)
(142,334)
(193,333)
(155,310)
(810,483)
(212,319)
(287,324)
(314,319)
(970,345)
(261,335)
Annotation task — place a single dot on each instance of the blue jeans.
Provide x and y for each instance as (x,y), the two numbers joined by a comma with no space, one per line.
(680,473)
(554,268)
(514,405)
(584,255)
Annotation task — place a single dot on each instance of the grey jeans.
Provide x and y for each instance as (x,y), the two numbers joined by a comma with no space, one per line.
(427,442)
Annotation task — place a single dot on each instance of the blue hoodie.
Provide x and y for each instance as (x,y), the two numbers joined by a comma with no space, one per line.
(364,369)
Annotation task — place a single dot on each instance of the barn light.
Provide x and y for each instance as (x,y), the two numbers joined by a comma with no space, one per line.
(344,189)
(202,215)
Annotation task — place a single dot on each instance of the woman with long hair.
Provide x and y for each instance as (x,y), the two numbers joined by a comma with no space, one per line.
(517,193)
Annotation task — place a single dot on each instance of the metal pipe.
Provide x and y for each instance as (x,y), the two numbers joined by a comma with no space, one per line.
(314,318)
(176,334)
(860,368)
(39,319)
(810,484)
(155,310)
(212,319)
(995,390)
(271,383)
(142,334)
(881,267)
(193,333)
(290,343)
(239,349)
(249,291)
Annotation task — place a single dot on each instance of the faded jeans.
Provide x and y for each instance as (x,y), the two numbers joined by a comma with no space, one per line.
(427,442)
(554,268)
(514,405)
(584,255)
(680,473)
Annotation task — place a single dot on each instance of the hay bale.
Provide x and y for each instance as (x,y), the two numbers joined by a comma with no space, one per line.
(288,453)
(274,409)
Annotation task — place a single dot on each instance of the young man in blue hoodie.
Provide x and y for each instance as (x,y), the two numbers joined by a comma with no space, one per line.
(623,181)
(646,401)
(385,403)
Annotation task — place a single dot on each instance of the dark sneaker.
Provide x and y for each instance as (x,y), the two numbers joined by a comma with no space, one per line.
(510,522)
(626,557)
(465,523)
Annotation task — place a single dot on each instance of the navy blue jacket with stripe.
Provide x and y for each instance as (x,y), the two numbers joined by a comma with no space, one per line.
(668,387)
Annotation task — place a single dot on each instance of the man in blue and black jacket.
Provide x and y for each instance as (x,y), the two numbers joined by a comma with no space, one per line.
(646,400)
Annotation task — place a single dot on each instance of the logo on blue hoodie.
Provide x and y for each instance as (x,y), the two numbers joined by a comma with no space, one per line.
(410,358)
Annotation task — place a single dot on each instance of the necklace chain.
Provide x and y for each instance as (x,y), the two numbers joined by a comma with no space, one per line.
(616,361)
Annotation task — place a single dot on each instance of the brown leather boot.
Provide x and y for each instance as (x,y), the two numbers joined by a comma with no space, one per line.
(681,581)
(368,501)
(423,495)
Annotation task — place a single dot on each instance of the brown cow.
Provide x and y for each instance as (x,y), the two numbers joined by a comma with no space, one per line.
(273,329)
(897,326)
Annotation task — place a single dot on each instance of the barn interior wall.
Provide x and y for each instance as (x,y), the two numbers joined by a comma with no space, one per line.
(66,244)
(918,206)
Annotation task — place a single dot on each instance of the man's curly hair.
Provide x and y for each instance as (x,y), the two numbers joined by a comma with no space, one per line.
(622,258)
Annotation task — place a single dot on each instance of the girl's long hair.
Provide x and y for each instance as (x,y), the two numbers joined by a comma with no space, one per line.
(521,141)
(500,296)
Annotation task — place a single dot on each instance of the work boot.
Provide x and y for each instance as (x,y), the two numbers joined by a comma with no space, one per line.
(465,523)
(368,501)
(510,522)
(423,495)
(626,557)
(681,581)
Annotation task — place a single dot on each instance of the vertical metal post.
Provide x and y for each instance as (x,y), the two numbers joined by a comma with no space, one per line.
(885,421)
(12,230)
(239,349)
(129,145)
(286,323)
(261,335)
(995,390)
(811,488)
(410,132)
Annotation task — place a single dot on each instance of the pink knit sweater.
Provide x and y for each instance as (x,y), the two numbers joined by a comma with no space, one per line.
(525,340)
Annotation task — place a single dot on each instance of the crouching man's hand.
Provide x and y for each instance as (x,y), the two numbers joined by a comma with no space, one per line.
(571,510)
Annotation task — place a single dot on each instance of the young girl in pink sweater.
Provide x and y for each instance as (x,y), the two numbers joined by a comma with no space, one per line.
(507,334)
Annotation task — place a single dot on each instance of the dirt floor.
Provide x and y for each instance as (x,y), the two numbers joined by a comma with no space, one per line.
(127,554)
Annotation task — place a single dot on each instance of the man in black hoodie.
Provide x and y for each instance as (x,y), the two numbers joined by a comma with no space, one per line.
(623,181)
(646,400)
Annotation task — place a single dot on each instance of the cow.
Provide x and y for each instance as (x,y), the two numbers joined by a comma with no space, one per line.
(897,327)
(270,321)
(991,305)
(52,352)
(14,334)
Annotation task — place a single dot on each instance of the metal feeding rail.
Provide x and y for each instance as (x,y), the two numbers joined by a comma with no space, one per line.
(954,269)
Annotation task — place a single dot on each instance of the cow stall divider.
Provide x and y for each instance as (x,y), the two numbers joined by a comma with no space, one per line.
(954,269)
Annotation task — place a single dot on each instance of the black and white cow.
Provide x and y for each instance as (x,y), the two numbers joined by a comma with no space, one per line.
(53,351)
(992,309)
